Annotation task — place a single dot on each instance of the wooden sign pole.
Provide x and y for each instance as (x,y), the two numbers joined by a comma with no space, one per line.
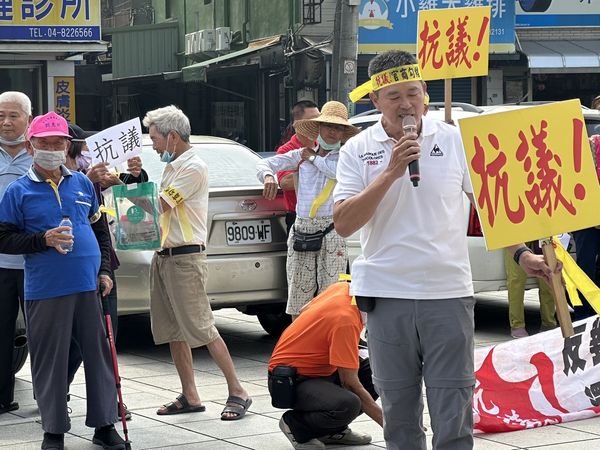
(448,100)
(558,290)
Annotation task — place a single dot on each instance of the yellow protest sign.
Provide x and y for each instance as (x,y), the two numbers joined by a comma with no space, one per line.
(532,172)
(453,42)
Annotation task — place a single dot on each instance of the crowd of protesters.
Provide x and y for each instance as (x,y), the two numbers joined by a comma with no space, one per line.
(338,181)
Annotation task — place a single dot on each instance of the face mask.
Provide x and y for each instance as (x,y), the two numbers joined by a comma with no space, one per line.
(18,141)
(49,160)
(328,147)
(83,161)
(167,156)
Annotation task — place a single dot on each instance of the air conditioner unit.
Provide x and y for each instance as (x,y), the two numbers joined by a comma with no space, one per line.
(196,42)
(207,40)
(189,44)
(223,39)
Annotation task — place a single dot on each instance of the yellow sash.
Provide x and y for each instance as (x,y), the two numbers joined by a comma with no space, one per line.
(184,221)
(577,280)
(322,198)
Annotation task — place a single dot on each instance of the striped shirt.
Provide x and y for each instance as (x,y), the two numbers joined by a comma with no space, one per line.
(312,177)
(11,169)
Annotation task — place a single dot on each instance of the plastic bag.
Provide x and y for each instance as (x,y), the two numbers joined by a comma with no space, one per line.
(137,228)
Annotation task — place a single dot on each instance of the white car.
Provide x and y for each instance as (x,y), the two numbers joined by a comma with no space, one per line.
(246,243)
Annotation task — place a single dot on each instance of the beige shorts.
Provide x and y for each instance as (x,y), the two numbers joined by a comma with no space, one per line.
(179,306)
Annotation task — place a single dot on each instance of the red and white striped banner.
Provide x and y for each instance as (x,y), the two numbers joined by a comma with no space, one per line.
(537,381)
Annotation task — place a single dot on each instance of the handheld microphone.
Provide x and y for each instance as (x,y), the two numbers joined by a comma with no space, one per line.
(409,125)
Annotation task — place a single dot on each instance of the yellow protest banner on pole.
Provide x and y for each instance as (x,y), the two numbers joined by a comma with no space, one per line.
(532,172)
(453,42)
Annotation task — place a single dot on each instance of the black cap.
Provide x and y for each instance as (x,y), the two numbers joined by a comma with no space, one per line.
(78,134)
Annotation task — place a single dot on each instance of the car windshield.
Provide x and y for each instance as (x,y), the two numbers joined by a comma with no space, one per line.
(229,165)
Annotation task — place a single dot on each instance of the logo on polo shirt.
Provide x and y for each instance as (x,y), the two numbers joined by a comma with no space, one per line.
(436,151)
(372,158)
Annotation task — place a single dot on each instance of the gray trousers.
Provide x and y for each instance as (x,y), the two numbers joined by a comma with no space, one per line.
(431,340)
(50,325)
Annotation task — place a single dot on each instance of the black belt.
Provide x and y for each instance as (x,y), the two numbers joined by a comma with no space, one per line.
(183,250)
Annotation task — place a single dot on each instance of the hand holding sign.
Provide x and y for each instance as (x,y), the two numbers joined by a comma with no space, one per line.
(116,144)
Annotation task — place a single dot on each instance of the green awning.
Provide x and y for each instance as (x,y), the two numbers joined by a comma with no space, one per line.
(247,56)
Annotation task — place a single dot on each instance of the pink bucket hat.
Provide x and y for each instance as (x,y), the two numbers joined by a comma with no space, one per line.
(50,124)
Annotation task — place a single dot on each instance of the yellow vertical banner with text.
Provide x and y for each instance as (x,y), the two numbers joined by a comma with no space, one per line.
(64,97)
(453,42)
(532,172)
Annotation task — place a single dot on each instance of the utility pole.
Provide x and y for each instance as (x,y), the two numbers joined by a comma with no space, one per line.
(345,51)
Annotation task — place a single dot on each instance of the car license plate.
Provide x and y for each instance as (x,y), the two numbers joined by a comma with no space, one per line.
(248,232)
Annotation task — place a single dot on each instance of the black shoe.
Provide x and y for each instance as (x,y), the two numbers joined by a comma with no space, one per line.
(108,438)
(53,441)
(127,412)
(12,406)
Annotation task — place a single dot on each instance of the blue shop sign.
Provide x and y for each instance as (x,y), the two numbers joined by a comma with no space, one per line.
(392,24)
(50,20)
(557,13)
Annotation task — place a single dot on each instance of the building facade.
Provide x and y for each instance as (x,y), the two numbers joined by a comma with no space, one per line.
(41,43)
(234,66)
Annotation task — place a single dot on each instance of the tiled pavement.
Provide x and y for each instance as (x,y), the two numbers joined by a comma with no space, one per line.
(150,380)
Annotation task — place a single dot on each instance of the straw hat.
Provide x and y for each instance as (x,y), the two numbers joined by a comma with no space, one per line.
(332,112)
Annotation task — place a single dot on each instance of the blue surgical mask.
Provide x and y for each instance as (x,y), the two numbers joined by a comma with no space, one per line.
(167,156)
(328,147)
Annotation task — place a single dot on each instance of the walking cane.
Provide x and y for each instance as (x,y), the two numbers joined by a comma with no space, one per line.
(113,354)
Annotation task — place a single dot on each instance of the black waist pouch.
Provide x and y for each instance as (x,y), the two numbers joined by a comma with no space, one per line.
(310,242)
(282,386)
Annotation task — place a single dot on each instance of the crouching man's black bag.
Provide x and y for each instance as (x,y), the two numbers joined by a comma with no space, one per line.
(282,386)
(310,242)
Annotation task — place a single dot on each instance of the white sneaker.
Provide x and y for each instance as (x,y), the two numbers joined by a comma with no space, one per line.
(313,444)
(346,437)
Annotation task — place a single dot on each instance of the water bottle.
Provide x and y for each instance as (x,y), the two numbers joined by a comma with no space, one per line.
(66,222)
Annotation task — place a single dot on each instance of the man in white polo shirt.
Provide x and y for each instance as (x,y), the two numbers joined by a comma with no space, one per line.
(414,277)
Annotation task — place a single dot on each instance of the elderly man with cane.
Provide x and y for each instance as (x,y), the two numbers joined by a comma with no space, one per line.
(63,267)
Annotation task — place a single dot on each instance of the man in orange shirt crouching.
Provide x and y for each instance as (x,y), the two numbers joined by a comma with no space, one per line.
(316,371)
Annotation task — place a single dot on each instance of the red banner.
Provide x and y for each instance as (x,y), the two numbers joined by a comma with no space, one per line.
(537,381)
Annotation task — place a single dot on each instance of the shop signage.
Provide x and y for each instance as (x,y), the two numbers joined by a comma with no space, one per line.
(64,97)
(392,24)
(557,13)
(50,20)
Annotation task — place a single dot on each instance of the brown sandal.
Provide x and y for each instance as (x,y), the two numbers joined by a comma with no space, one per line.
(173,408)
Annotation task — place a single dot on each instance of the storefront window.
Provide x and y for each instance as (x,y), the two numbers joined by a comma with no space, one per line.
(26,79)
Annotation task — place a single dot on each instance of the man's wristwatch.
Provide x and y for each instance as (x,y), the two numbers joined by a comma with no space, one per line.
(311,158)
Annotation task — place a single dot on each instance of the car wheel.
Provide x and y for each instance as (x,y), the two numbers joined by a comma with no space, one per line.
(21,350)
(535,5)
(274,320)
